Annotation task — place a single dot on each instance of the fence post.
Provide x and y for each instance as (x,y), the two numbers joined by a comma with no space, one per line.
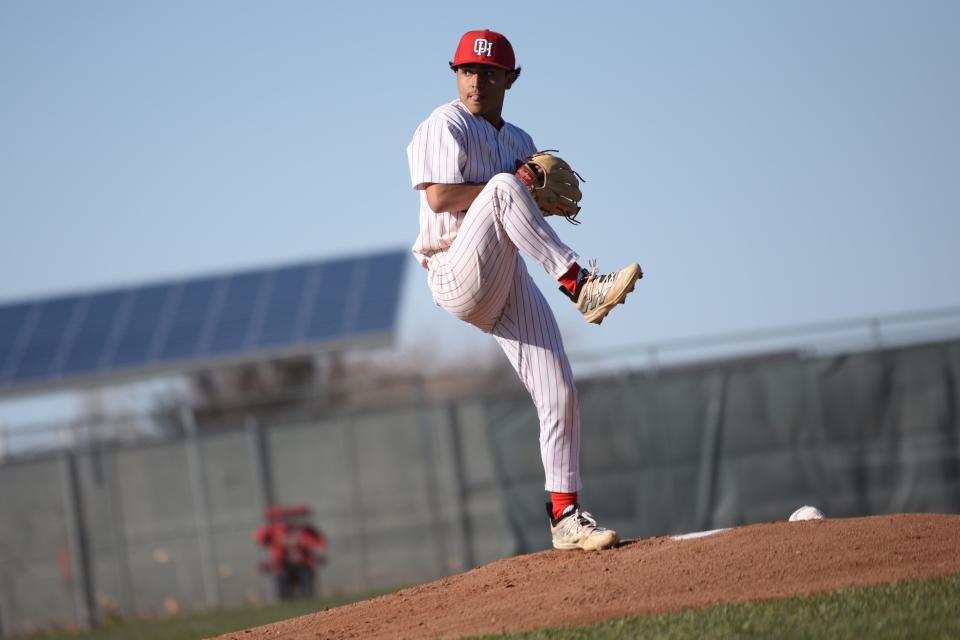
(108,477)
(6,630)
(77,541)
(430,481)
(710,451)
(262,484)
(201,511)
(6,615)
(461,491)
(816,465)
(356,500)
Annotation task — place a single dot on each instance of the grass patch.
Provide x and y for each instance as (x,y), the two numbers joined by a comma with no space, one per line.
(914,609)
(213,623)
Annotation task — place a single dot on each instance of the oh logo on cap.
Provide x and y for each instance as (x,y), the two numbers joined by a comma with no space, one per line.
(483,47)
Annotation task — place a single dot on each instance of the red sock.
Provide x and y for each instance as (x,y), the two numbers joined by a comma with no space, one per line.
(569,282)
(560,501)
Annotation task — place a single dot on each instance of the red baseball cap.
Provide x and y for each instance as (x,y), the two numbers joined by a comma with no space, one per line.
(485,47)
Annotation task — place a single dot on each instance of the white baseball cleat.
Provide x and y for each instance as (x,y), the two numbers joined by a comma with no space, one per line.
(597,294)
(578,529)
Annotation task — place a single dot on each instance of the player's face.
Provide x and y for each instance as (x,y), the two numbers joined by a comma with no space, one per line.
(482,89)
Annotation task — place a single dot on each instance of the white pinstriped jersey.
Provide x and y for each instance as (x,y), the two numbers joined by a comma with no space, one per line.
(477,274)
(453,146)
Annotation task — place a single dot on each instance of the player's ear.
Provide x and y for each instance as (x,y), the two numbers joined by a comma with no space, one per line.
(512,77)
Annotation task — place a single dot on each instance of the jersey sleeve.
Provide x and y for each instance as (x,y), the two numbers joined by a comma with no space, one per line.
(435,154)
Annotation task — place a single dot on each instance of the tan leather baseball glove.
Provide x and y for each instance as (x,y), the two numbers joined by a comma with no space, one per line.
(553,183)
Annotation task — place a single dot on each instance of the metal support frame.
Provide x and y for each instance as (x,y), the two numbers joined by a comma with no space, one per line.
(83,601)
(263,492)
(710,452)
(6,609)
(361,542)
(461,490)
(429,468)
(110,485)
(201,511)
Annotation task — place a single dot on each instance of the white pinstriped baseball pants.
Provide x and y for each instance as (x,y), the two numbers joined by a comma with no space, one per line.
(482,279)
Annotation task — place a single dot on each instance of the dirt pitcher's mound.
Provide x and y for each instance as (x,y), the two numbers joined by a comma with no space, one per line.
(561,588)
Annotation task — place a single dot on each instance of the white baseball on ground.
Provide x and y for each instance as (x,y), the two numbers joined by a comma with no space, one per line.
(806,513)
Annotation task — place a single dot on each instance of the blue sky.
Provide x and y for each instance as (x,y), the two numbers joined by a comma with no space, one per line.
(766,163)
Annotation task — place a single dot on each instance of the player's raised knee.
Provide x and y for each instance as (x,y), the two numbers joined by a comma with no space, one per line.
(505,181)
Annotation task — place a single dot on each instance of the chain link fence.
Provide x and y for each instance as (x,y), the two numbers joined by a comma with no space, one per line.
(124,520)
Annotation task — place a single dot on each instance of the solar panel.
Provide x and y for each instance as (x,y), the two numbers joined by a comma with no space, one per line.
(45,336)
(137,327)
(381,300)
(199,322)
(183,320)
(288,289)
(12,320)
(334,291)
(93,332)
(237,313)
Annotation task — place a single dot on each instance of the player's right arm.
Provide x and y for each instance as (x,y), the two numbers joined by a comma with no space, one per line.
(451,197)
(437,157)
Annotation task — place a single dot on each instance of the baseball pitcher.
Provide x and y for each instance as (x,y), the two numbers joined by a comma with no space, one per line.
(484,193)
